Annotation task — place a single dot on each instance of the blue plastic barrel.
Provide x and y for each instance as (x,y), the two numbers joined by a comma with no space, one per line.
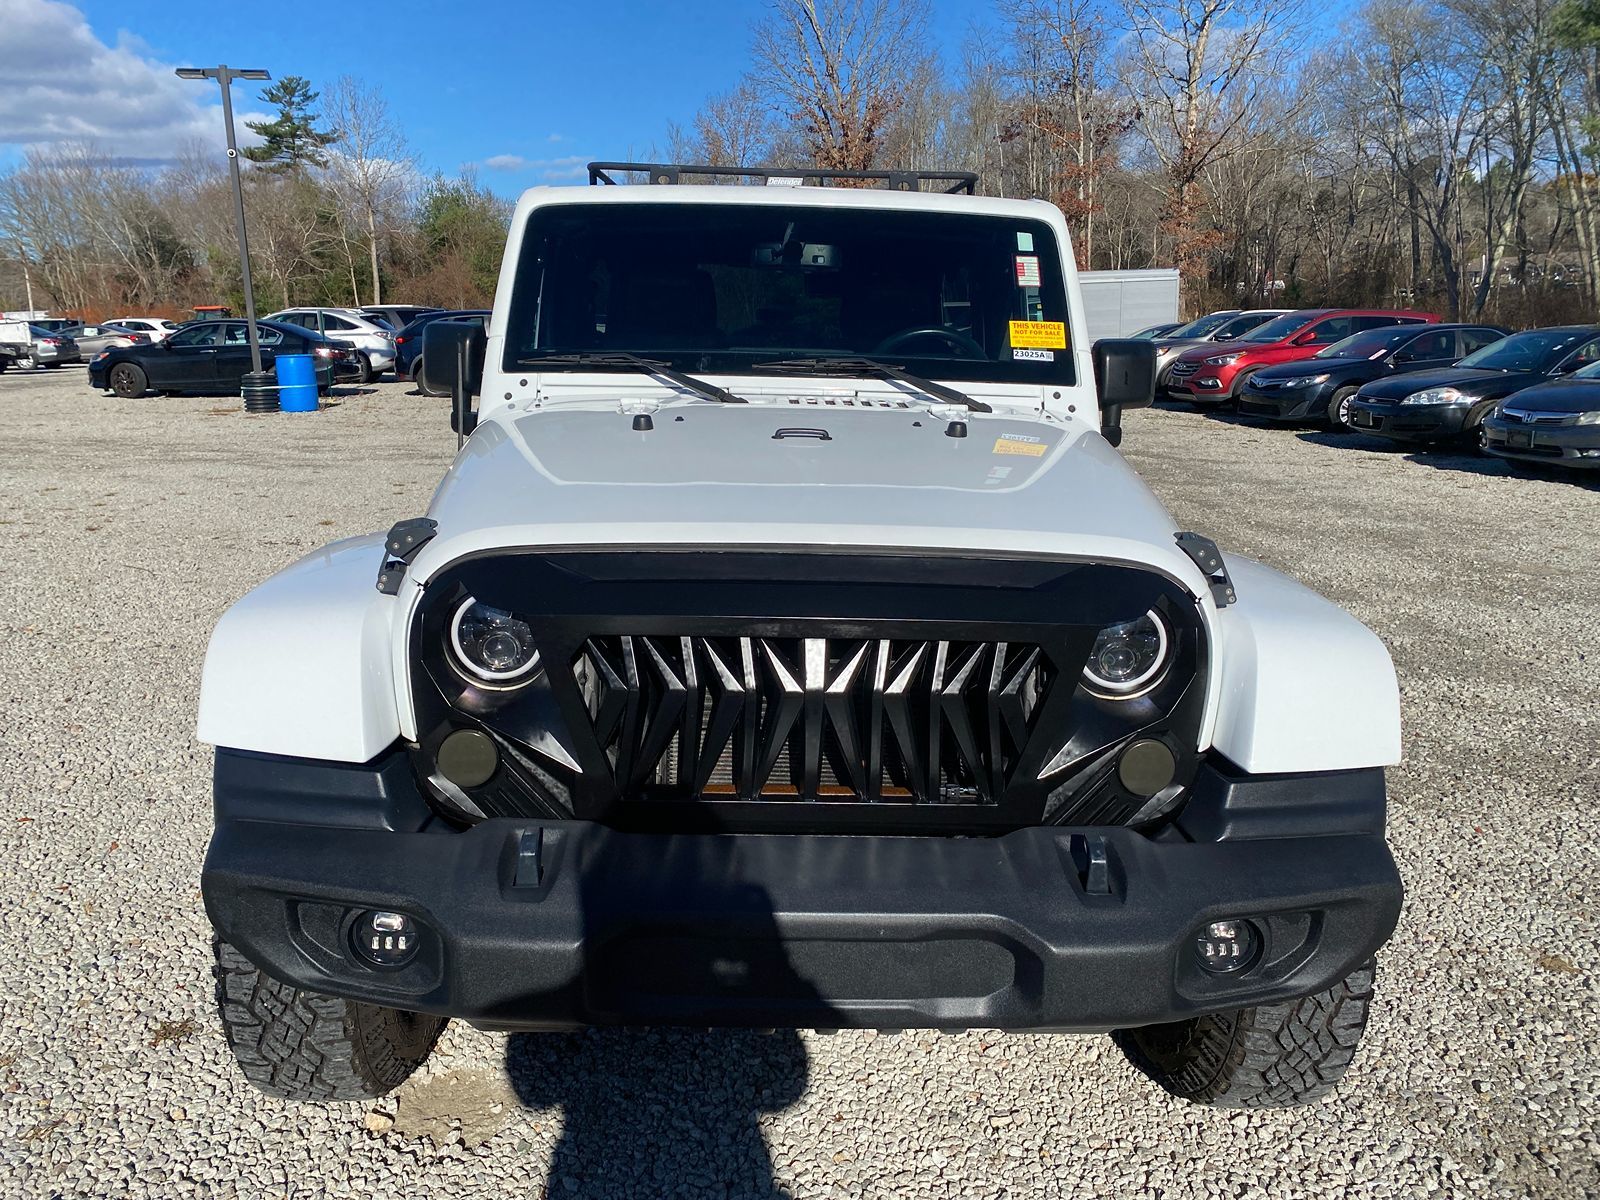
(297,383)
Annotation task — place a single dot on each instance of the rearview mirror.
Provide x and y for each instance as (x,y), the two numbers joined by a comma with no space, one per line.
(453,352)
(1124,377)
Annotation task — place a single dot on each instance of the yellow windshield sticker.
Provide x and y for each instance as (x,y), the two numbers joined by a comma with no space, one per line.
(1039,335)
(1028,446)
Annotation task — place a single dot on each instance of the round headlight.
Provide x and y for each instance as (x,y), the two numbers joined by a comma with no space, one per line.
(1128,658)
(491,645)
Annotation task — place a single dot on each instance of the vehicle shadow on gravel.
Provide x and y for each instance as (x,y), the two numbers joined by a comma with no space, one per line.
(1454,458)
(675,1109)
(663,1112)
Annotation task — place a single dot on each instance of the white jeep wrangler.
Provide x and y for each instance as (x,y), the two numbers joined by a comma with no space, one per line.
(788,645)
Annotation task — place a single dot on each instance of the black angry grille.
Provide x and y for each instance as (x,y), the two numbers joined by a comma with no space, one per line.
(812,718)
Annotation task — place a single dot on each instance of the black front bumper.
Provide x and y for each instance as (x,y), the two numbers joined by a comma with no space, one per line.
(1286,404)
(1556,445)
(556,924)
(1409,422)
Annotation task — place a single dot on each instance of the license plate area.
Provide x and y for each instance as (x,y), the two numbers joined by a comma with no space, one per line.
(1519,439)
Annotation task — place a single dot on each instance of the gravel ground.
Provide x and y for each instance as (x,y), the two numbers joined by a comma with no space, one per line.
(129,526)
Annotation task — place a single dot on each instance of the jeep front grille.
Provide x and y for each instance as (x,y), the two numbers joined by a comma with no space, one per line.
(816,719)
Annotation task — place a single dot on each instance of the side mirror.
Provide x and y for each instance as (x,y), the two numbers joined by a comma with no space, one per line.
(1307,338)
(453,352)
(1124,377)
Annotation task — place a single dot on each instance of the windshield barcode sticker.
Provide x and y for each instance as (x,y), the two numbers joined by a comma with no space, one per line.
(1039,335)
(1026,354)
(1027,270)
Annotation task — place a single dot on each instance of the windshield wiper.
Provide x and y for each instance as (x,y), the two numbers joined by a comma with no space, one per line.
(849,365)
(635,362)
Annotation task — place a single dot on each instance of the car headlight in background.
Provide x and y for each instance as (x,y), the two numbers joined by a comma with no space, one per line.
(1437,395)
(1128,658)
(1588,418)
(1299,381)
(491,645)
(1223,360)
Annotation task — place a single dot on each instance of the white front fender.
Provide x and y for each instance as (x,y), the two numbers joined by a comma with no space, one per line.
(1304,685)
(304,665)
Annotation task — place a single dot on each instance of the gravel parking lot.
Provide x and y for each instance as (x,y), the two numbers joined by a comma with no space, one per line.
(130,526)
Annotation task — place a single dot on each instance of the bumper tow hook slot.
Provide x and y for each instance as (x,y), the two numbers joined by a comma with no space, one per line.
(1090,856)
(530,856)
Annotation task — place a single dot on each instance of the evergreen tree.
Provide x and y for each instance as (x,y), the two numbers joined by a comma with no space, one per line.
(292,141)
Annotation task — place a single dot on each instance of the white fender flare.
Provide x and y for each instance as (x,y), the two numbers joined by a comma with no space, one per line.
(303,665)
(1304,685)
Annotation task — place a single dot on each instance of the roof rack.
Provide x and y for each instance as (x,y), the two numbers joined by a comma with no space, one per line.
(963,182)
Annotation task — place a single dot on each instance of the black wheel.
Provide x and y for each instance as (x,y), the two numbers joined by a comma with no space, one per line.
(128,381)
(367,375)
(307,1046)
(1339,410)
(419,372)
(1272,1056)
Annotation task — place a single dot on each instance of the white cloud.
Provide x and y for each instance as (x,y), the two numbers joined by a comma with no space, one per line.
(549,170)
(60,83)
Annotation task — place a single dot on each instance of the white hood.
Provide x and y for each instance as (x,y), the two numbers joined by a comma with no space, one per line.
(712,474)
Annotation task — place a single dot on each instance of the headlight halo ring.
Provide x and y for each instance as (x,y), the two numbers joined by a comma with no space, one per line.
(482,675)
(1149,678)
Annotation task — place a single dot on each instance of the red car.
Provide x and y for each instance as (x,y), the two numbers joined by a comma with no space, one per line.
(1213,374)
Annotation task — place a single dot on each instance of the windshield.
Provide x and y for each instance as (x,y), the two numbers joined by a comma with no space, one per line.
(1203,326)
(1536,350)
(1236,327)
(1279,328)
(1369,344)
(721,287)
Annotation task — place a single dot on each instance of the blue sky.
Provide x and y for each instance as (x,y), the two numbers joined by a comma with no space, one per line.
(535,89)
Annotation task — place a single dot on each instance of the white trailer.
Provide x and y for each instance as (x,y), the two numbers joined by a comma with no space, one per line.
(1118,303)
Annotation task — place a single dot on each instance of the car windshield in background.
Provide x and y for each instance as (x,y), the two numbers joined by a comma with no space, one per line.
(726,287)
(1536,350)
(1202,326)
(1370,344)
(1279,328)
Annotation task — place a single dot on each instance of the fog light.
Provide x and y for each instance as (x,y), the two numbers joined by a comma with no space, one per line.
(1146,767)
(468,758)
(1225,946)
(385,939)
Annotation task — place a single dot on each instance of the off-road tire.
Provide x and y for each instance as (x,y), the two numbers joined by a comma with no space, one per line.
(1271,1056)
(1338,410)
(128,381)
(306,1046)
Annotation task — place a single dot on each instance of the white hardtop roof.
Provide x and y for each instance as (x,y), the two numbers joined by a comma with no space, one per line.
(788,197)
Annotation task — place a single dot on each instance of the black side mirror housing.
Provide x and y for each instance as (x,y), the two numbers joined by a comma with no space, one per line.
(454,352)
(1124,377)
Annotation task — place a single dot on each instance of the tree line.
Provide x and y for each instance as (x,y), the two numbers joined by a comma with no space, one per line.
(1436,153)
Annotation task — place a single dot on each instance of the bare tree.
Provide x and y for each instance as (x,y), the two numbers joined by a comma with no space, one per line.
(1196,71)
(837,70)
(371,165)
(733,128)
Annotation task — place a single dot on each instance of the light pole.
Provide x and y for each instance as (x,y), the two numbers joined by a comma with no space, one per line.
(225,75)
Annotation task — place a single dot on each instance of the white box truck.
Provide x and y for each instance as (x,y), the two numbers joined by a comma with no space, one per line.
(1120,303)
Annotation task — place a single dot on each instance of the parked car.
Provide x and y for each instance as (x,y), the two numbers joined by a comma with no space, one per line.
(893,701)
(1556,423)
(1321,387)
(51,347)
(1151,332)
(398,316)
(92,339)
(1212,375)
(408,346)
(1225,326)
(156,328)
(212,357)
(1451,404)
(368,334)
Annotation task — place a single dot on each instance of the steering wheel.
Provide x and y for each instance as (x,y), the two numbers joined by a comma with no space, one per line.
(955,337)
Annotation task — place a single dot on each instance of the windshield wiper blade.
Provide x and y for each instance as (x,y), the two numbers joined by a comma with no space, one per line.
(854,365)
(635,362)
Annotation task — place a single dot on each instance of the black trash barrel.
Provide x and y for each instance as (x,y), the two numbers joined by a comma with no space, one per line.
(260,390)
